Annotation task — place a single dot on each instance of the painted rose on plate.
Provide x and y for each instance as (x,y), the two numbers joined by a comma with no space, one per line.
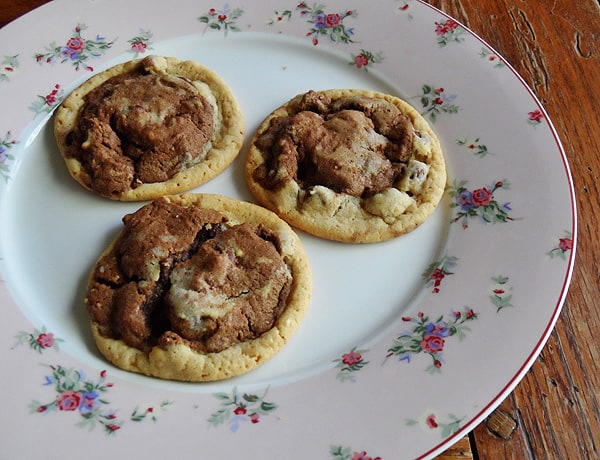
(563,247)
(365,59)
(436,101)
(140,44)
(349,364)
(240,408)
(47,103)
(75,393)
(449,31)
(437,272)
(429,336)
(222,19)
(480,203)
(430,421)
(39,340)
(78,50)
(535,117)
(327,23)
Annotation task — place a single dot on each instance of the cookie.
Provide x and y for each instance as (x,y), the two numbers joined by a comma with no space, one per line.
(147,128)
(198,287)
(349,165)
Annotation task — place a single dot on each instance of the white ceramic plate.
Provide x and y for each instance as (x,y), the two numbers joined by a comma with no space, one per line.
(408,344)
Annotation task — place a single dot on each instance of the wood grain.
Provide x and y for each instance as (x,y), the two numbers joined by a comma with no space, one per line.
(12,9)
(555,47)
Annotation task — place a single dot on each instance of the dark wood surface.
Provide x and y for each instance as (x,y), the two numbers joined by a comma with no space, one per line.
(554,413)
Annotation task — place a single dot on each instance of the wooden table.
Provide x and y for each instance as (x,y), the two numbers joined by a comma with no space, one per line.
(555,47)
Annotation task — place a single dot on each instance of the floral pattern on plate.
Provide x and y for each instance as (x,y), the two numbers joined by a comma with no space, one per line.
(480,203)
(39,340)
(6,157)
(492,58)
(239,408)
(150,411)
(223,19)
(564,246)
(70,398)
(535,117)
(501,292)
(475,146)
(8,65)
(349,364)
(76,394)
(429,337)
(141,43)
(438,271)
(326,23)
(432,422)
(77,50)
(347,453)
(366,59)
(449,31)
(436,101)
(405,8)
(47,103)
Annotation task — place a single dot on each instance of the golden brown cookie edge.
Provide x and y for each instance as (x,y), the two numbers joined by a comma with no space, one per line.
(366,228)
(180,362)
(223,152)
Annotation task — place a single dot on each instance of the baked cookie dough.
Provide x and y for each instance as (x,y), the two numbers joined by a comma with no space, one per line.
(349,165)
(149,127)
(198,287)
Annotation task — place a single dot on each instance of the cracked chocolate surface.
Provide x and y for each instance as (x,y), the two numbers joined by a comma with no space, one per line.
(183,274)
(354,145)
(140,127)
